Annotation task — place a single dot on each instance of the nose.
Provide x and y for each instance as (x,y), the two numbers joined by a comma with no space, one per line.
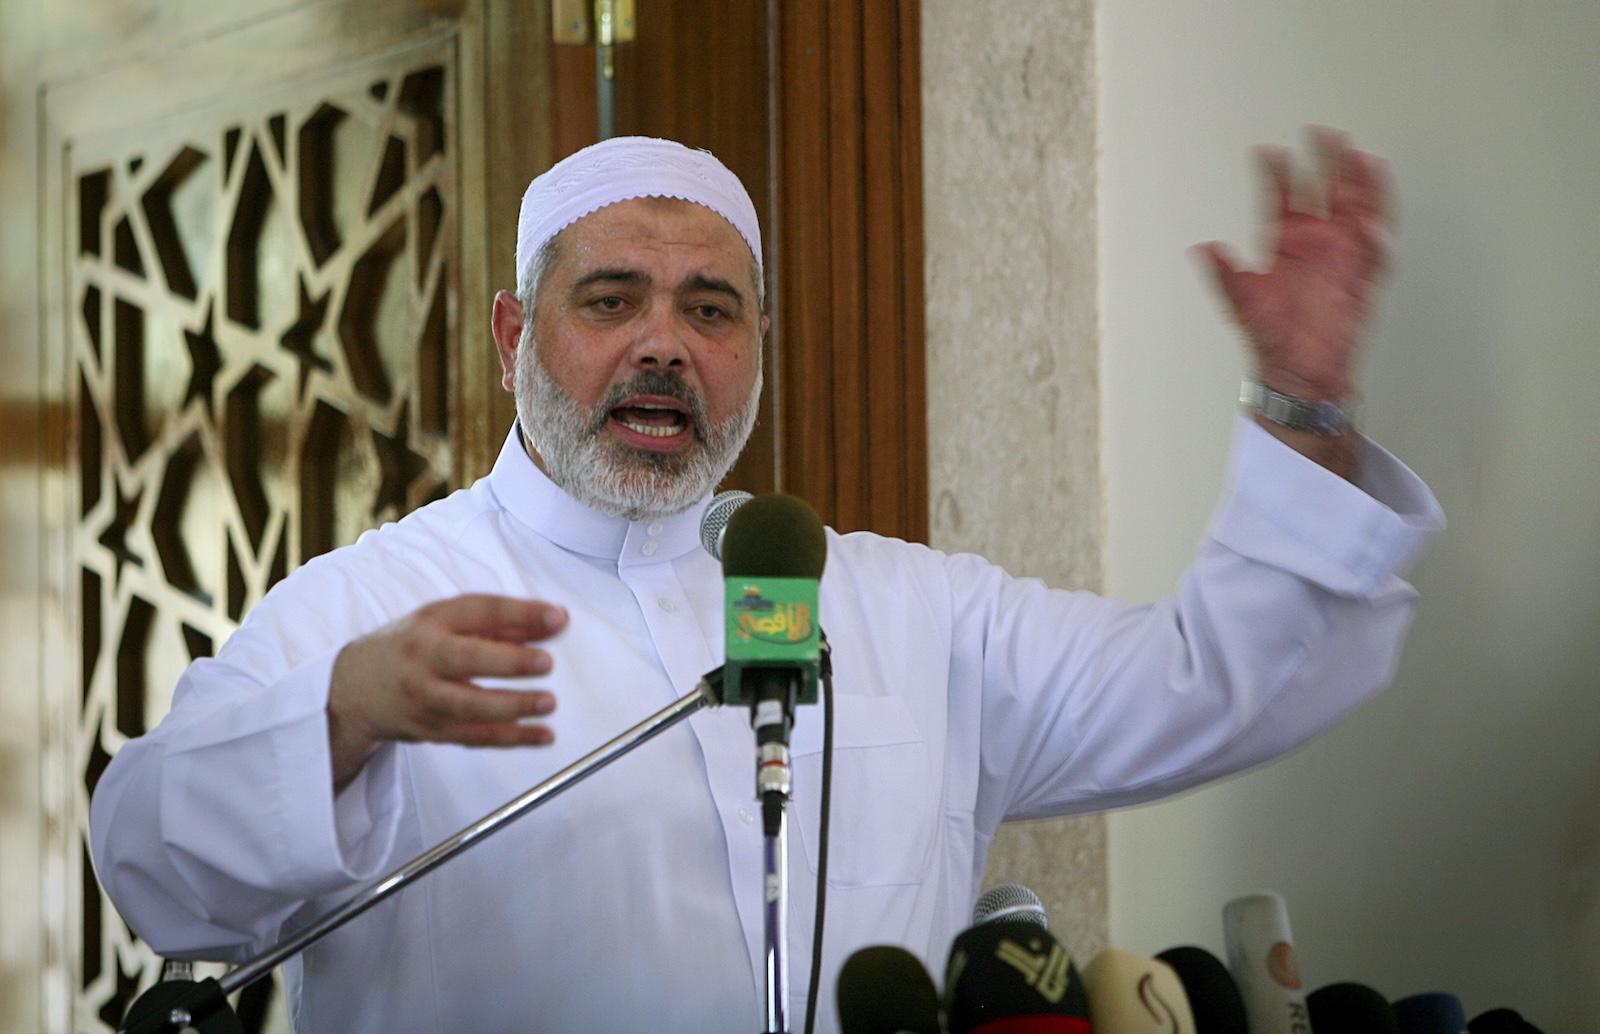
(660,342)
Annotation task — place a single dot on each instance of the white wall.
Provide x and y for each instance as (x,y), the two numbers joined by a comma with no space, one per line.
(1447,836)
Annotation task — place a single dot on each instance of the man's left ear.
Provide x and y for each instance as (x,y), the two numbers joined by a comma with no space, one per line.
(507,326)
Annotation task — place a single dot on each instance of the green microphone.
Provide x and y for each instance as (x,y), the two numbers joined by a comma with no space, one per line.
(772,557)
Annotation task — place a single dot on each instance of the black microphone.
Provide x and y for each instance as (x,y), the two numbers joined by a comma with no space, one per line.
(1213,996)
(1350,1008)
(886,990)
(1010,974)
(1501,1021)
(1432,1012)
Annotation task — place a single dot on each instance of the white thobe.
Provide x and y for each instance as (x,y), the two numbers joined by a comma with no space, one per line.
(632,902)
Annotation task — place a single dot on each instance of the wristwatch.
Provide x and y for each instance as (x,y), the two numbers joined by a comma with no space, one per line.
(1298,414)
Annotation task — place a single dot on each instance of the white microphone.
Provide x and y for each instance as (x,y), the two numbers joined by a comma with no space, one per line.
(1261,956)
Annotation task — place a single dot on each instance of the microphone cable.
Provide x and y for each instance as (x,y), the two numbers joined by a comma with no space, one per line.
(825,805)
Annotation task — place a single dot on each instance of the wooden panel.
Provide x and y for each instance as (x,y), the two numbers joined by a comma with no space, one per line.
(854,434)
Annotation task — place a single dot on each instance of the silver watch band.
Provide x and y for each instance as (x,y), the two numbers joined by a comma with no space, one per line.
(1330,418)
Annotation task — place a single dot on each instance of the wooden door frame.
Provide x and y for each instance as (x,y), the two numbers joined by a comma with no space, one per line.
(848,257)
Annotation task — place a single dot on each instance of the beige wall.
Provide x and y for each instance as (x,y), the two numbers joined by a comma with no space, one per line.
(20,791)
(1013,404)
(1448,836)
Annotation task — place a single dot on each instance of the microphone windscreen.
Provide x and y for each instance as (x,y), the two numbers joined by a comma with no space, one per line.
(774,536)
(715,520)
(1135,994)
(1009,901)
(1435,1012)
(1501,1021)
(885,990)
(1213,996)
(1013,977)
(1262,959)
(1350,1008)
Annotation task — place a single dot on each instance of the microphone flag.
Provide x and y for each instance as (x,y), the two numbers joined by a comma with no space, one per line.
(1013,977)
(773,553)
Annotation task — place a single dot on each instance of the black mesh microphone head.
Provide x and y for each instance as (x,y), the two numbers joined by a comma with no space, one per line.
(884,990)
(1213,996)
(774,536)
(1349,1008)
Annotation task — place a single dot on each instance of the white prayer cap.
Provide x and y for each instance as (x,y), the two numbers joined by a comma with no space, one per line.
(627,167)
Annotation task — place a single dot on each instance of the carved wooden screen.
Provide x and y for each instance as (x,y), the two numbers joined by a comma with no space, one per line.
(262,303)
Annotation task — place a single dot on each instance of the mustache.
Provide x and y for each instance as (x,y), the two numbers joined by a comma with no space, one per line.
(652,382)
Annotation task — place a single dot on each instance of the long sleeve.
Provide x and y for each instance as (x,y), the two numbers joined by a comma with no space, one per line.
(1292,614)
(230,799)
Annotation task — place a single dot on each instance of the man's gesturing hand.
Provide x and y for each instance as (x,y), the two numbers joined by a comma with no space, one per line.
(1304,315)
(412,679)
(1329,236)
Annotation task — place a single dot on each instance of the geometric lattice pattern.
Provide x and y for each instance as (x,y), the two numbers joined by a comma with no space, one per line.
(263,337)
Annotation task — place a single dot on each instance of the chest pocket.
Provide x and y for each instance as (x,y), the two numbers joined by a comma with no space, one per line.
(886,793)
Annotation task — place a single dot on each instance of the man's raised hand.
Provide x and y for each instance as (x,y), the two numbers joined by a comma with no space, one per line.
(1328,241)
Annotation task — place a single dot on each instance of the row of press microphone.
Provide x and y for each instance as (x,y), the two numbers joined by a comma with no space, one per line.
(1007,974)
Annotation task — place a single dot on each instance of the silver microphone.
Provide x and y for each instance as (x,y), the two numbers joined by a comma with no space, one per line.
(714,522)
(1009,902)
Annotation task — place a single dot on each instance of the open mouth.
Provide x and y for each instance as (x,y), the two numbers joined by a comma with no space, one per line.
(652,419)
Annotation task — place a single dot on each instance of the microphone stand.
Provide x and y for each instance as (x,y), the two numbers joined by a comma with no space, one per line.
(173,1005)
(772,717)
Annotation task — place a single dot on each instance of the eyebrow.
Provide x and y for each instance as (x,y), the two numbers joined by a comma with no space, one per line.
(610,276)
(622,275)
(717,285)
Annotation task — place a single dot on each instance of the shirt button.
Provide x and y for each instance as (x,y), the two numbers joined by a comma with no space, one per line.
(666,605)
(654,529)
(745,816)
(648,549)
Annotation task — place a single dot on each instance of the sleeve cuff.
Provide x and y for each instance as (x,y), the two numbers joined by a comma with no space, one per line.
(1354,540)
(272,751)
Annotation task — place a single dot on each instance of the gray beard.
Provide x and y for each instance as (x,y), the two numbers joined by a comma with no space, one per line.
(604,473)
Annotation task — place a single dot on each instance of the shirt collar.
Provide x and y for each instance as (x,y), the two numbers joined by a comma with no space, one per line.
(525,492)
